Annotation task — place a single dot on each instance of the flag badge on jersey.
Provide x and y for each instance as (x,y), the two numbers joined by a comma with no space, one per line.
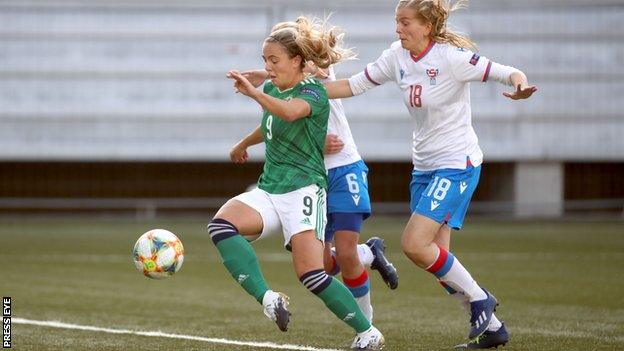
(432,73)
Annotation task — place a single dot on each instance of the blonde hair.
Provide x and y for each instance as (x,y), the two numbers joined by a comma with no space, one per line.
(312,39)
(437,13)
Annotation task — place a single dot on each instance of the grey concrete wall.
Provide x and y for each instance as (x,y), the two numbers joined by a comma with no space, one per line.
(124,80)
(538,189)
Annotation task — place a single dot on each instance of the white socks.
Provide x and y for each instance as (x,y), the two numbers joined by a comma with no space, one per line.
(365,254)
(449,270)
(365,305)
(459,279)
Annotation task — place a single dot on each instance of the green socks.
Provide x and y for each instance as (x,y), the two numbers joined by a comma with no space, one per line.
(337,298)
(238,257)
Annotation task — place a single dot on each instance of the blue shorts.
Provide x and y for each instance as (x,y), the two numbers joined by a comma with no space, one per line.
(444,194)
(347,194)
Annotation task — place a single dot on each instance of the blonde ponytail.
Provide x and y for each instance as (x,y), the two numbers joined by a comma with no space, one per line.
(314,40)
(437,13)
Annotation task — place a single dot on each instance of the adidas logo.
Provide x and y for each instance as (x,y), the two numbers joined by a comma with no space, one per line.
(241,278)
(306,221)
(349,316)
(480,320)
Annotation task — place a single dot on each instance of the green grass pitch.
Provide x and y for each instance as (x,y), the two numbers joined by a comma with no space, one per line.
(560,285)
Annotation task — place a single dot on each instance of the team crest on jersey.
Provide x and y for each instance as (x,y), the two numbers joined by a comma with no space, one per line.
(475,58)
(432,73)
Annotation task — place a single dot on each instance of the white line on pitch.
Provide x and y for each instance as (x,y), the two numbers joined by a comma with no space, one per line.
(269,345)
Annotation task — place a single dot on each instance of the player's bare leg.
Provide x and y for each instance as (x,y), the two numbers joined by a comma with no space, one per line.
(418,243)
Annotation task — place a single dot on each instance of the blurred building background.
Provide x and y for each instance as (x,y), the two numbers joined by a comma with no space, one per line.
(123,105)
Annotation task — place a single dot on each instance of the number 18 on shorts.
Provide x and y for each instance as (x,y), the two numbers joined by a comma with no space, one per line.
(444,195)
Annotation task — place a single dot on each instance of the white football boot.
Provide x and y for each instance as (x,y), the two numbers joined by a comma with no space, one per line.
(371,339)
(275,304)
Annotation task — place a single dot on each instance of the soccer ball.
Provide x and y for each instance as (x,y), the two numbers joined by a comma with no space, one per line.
(158,254)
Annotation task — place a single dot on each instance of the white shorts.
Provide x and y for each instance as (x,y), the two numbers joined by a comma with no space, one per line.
(290,213)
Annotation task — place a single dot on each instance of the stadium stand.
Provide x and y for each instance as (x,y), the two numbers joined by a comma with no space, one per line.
(127,82)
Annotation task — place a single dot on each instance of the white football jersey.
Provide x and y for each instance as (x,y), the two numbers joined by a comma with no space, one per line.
(436,91)
(338,125)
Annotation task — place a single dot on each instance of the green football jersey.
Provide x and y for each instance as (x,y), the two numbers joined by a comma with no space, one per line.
(294,150)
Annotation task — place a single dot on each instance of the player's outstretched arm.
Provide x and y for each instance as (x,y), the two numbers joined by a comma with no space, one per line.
(289,111)
(338,89)
(523,89)
(256,77)
(238,153)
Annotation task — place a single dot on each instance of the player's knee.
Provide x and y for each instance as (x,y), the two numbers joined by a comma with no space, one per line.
(347,256)
(421,255)
(409,250)
(412,248)
(224,211)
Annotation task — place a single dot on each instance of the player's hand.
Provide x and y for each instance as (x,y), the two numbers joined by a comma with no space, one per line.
(238,153)
(333,144)
(241,84)
(521,92)
(314,70)
(256,77)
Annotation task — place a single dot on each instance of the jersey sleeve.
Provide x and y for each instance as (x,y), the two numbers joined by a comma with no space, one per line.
(315,95)
(468,66)
(376,73)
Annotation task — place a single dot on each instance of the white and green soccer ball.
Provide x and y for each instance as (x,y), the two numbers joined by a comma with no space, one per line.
(158,254)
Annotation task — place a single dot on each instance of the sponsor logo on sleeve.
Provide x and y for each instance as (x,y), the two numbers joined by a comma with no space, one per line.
(475,58)
(311,92)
